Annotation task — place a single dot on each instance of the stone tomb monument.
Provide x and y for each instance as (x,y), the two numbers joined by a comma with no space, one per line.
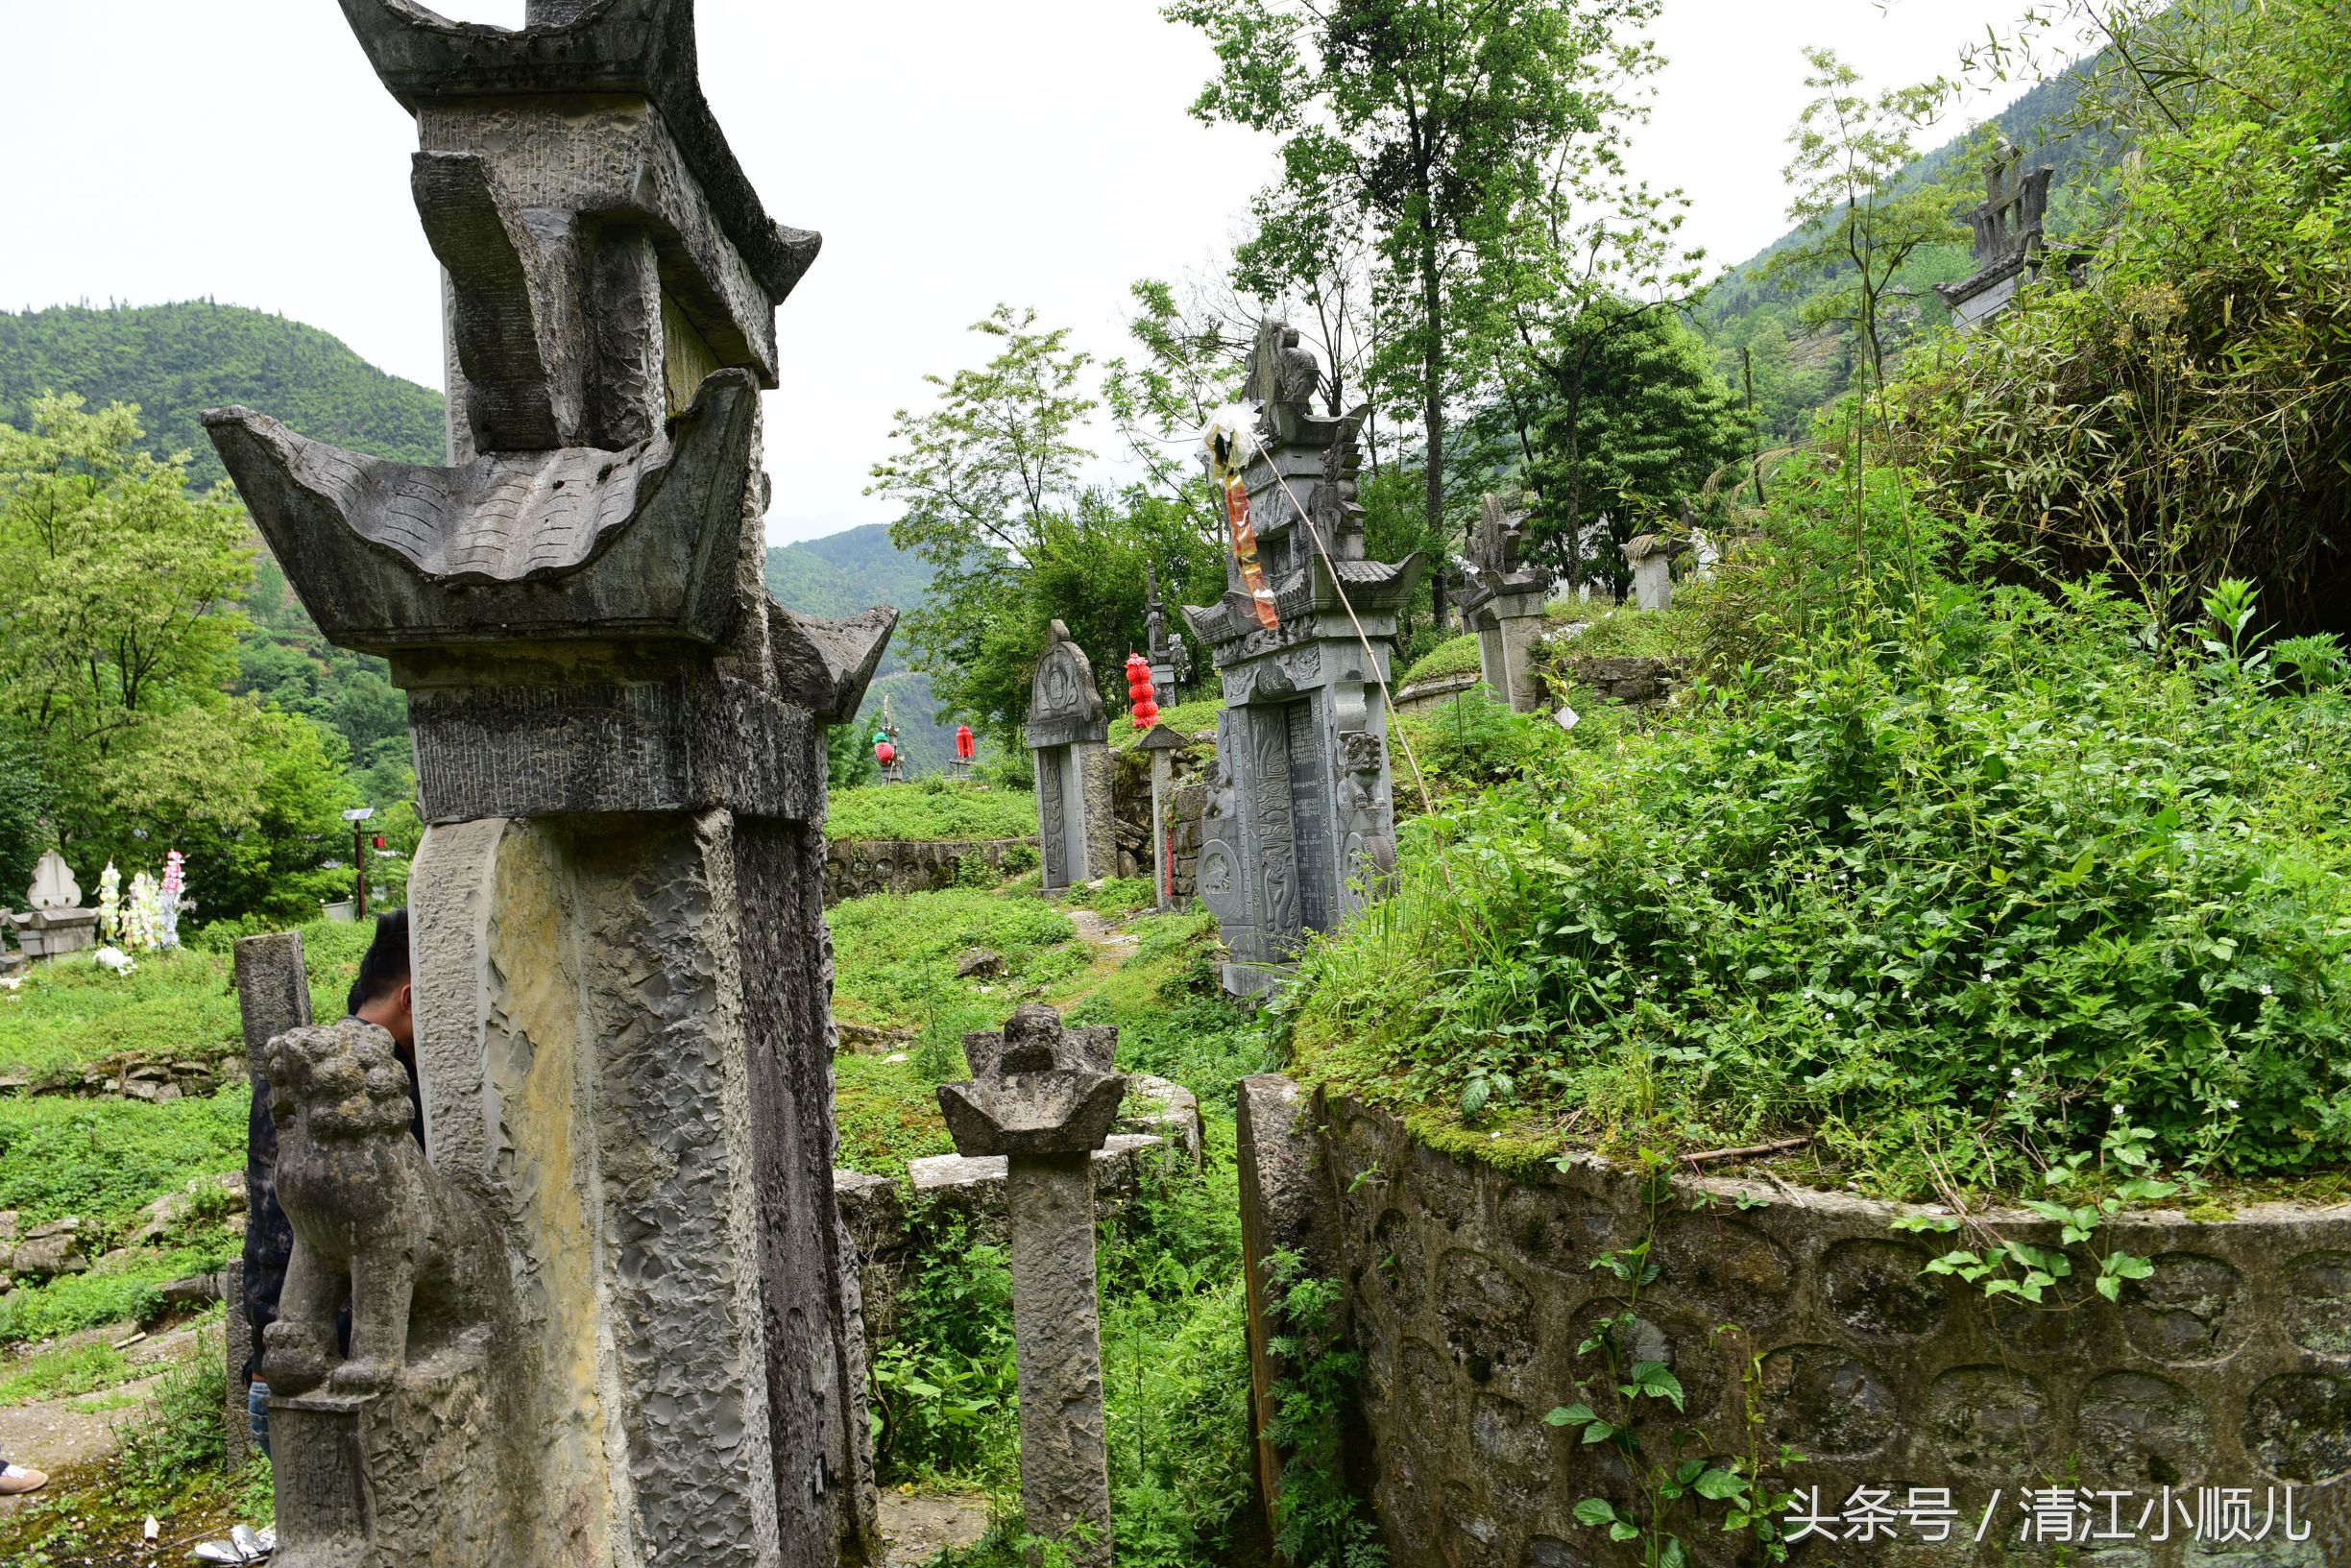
(2008,224)
(1504,605)
(1069,732)
(1651,559)
(1299,815)
(54,922)
(622,973)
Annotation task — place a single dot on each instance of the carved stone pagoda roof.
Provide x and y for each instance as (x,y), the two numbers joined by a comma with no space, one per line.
(636,47)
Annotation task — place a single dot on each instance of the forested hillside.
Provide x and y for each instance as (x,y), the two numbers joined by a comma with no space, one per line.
(177,360)
(1765,318)
(856,570)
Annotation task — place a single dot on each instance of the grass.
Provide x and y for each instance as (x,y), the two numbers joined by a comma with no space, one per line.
(1955,889)
(1628,632)
(1457,656)
(1190,717)
(931,809)
(886,1114)
(105,1160)
(60,1373)
(175,1006)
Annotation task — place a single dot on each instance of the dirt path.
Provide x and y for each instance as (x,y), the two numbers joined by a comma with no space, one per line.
(78,1432)
(917,1529)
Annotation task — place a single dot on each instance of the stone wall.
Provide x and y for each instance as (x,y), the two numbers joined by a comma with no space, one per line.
(1470,1291)
(1638,682)
(855,867)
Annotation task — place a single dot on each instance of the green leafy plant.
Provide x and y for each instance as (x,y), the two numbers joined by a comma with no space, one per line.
(1624,1407)
(1320,1523)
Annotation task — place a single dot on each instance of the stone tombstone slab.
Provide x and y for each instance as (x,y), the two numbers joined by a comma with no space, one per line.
(54,886)
(622,973)
(1504,605)
(1652,563)
(1068,732)
(54,922)
(272,986)
(1299,822)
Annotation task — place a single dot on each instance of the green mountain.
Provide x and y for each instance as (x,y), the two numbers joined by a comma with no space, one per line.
(843,574)
(177,360)
(1755,321)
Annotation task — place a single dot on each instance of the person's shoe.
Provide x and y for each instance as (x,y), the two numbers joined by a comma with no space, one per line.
(16,1479)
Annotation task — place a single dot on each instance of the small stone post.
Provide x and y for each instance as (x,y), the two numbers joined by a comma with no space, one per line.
(1044,1096)
(272,997)
(1163,742)
(1652,566)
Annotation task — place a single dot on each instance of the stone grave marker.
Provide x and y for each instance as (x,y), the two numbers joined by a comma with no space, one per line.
(1504,605)
(1068,732)
(1299,819)
(622,975)
(1044,1096)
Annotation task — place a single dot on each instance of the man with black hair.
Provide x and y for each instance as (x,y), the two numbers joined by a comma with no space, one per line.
(382,995)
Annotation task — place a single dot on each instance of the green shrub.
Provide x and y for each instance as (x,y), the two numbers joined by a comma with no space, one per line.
(1625,632)
(931,809)
(1956,887)
(103,1160)
(897,954)
(1466,742)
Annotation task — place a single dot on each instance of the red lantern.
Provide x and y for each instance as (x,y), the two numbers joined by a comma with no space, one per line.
(379,841)
(963,741)
(1141,696)
(884,753)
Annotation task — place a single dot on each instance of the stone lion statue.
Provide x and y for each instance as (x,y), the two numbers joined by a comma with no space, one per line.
(369,1215)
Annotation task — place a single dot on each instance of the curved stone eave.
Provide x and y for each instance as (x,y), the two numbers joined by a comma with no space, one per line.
(390,555)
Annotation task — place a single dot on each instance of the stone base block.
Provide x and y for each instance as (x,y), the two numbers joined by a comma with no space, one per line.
(973,1187)
(411,1474)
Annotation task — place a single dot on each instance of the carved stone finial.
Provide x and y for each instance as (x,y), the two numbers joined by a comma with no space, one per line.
(1280,370)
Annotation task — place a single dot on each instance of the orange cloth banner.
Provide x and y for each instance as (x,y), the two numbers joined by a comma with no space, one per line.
(1244,551)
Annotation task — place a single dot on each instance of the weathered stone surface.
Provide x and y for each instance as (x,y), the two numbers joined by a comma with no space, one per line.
(2318,1302)
(49,1250)
(1470,1292)
(366,1208)
(1066,729)
(2299,1426)
(622,973)
(1504,605)
(2191,1308)
(1165,1108)
(1285,1205)
(1042,1095)
(1635,681)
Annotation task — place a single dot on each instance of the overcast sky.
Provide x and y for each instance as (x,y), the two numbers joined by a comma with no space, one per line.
(954,153)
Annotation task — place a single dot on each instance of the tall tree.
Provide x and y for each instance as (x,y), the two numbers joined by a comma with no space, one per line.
(1860,217)
(117,592)
(1427,122)
(990,485)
